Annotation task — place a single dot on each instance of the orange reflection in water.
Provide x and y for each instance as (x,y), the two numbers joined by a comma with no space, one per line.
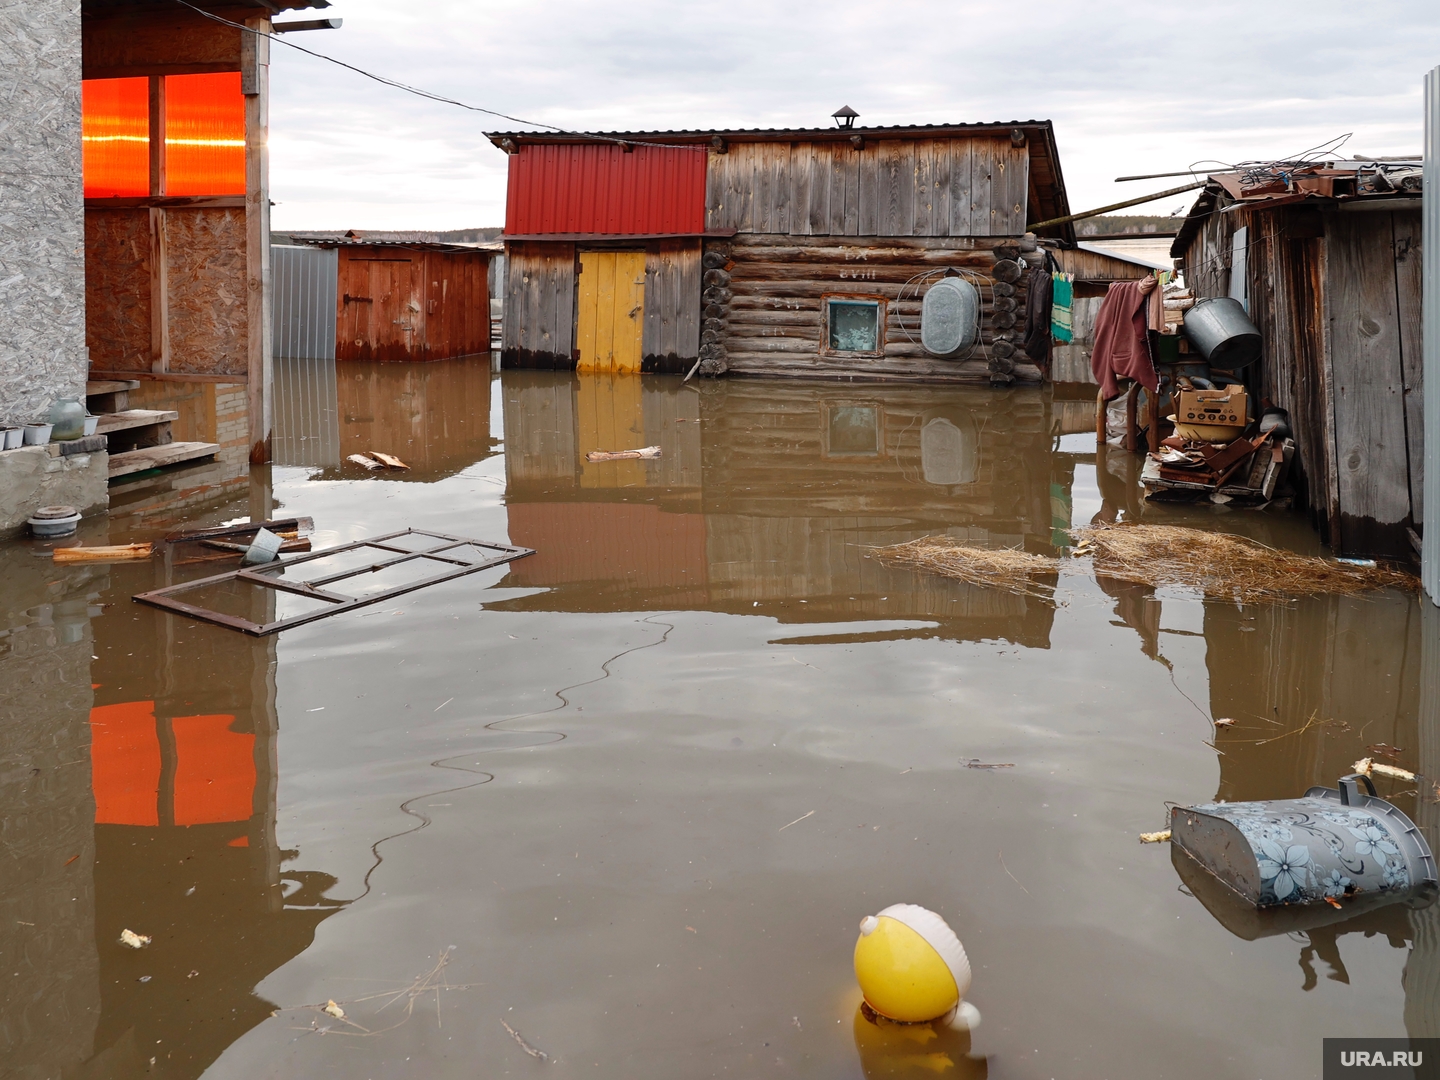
(125,763)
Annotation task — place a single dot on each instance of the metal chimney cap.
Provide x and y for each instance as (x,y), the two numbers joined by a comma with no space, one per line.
(844,116)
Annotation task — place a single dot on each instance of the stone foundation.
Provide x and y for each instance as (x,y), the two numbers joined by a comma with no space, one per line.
(36,476)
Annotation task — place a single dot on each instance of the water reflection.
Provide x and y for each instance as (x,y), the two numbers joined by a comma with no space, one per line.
(770,497)
(138,792)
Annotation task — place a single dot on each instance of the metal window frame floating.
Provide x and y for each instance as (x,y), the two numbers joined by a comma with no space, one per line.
(264,577)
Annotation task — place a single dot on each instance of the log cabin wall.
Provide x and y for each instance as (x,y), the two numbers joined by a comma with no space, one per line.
(1335,295)
(397,303)
(772,321)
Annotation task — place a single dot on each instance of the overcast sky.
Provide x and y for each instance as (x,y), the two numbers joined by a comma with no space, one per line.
(1131,87)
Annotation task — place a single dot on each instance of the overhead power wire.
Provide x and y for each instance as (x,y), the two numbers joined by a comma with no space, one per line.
(418,92)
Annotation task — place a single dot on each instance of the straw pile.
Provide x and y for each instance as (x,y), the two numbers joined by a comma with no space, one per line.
(1225,566)
(1002,568)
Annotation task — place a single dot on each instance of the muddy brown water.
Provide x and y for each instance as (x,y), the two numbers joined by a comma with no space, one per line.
(632,795)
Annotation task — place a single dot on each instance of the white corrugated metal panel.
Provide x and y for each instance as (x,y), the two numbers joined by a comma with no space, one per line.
(307,415)
(1430,545)
(303,282)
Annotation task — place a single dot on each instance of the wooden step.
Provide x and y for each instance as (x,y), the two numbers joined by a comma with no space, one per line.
(133,418)
(110,386)
(157,457)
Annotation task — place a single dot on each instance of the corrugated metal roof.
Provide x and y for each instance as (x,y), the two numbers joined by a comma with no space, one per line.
(493,247)
(697,135)
(1117,253)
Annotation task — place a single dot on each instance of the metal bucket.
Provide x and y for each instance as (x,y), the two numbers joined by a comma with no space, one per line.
(1223,333)
(1329,845)
(950,317)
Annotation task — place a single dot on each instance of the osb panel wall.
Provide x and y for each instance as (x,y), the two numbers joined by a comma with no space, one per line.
(208,318)
(121,42)
(117,284)
(42,268)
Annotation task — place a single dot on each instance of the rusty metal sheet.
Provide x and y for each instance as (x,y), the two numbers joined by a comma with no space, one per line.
(446,552)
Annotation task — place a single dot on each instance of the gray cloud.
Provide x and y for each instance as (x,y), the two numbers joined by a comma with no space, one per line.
(1131,87)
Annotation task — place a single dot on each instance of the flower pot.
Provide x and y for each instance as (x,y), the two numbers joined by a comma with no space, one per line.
(12,437)
(37,434)
(91,423)
(53,521)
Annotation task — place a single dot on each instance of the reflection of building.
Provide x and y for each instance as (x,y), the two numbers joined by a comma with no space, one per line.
(767,496)
(161,783)
(434,417)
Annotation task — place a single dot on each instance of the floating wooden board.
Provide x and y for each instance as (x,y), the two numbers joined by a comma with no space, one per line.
(447,551)
(102,553)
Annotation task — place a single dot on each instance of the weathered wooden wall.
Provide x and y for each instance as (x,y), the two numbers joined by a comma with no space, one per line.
(402,304)
(1336,297)
(671,335)
(774,321)
(1071,363)
(539,327)
(120,43)
(971,186)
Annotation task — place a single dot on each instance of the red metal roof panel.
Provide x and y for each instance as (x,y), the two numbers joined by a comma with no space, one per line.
(605,189)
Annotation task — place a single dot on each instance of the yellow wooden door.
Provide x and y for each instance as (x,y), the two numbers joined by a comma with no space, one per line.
(611,310)
(610,415)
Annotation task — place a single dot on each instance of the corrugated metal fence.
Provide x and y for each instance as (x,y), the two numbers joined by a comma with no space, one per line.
(307,416)
(1430,544)
(303,300)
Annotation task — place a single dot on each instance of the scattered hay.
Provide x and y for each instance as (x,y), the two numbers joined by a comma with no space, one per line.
(1001,568)
(1227,566)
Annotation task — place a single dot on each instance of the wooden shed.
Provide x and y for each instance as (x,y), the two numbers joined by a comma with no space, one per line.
(1328,265)
(770,252)
(400,300)
(177,207)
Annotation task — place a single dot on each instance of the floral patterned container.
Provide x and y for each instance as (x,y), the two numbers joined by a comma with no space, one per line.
(1329,845)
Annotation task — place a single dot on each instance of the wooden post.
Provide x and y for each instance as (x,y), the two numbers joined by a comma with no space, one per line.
(1152,418)
(1100,404)
(159,245)
(1131,403)
(255,85)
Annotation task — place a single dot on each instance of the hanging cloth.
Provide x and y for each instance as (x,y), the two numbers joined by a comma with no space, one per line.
(1122,343)
(1036,341)
(1062,287)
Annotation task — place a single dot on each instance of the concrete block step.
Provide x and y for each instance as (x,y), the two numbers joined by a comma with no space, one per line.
(133,418)
(157,457)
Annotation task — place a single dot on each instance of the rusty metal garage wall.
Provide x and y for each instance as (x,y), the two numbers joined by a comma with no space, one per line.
(42,263)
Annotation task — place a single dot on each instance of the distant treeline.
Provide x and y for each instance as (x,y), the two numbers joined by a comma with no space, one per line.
(1138,224)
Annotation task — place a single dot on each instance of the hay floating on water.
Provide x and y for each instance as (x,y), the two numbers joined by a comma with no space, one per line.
(1001,568)
(1219,564)
(1223,565)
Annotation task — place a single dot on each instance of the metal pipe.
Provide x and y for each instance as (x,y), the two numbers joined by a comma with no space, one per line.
(1158,175)
(1118,206)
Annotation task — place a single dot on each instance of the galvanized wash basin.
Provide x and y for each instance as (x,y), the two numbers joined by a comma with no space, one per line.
(1331,844)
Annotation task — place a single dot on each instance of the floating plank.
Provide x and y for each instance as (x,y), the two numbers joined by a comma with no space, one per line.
(388,459)
(292,526)
(645,452)
(364,462)
(107,553)
(157,457)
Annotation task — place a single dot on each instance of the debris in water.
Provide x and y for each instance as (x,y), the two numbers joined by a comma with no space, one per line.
(1228,566)
(645,452)
(1367,767)
(797,821)
(334,1010)
(262,549)
(103,553)
(134,940)
(1155,837)
(289,528)
(1223,721)
(71,859)
(1005,568)
(976,763)
(388,459)
(194,972)
(362,460)
(538,1055)
(1381,749)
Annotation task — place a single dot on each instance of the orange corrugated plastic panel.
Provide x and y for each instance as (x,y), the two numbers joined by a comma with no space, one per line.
(594,188)
(125,763)
(115,136)
(214,771)
(204,135)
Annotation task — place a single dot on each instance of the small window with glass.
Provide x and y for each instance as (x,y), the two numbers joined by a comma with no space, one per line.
(854,325)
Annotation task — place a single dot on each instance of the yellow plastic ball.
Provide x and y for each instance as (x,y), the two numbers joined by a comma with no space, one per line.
(901,974)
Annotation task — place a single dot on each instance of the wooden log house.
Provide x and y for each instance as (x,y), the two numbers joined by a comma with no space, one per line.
(1330,273)
(770,252)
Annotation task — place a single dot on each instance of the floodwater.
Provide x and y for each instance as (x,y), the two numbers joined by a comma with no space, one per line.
(631,795)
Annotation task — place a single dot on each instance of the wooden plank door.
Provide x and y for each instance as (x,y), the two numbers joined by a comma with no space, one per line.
(611,310)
